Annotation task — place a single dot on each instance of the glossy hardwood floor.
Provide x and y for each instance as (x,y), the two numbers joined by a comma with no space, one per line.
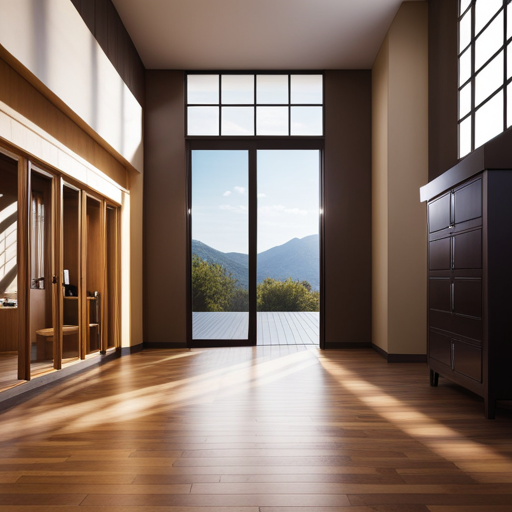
(266,429)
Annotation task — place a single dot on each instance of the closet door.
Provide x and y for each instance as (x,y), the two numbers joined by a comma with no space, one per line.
(93,273)
(44,318)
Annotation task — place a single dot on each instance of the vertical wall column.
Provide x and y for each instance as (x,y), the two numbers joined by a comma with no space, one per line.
(399,168)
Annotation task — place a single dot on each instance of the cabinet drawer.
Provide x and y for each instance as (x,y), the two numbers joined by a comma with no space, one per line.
(465,326)
(467,297)
(439,254)
(467,360)
(439,294)
(439,347)
(439,213)
(468,202)
(467,250)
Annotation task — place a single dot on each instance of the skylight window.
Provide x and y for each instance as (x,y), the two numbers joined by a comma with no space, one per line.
(485,71)
(255,104)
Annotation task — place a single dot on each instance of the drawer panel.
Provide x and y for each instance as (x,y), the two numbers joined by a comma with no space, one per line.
(467,250)
(467,360)
(467,298)
(439,347)
(468,202)
(439,294)
(439,214)
(439,254)
(458,325)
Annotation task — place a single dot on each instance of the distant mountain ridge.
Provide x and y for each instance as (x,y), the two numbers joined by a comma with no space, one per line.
(298,258)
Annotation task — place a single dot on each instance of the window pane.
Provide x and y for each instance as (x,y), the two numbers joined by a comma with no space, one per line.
(484,11)
(238,89)
(509,59)
(203,121)
(489,42)
(465,31)
(465,100)
(465,66)
(509,105)
(509,21)
(489,120)
(272,121)
(271,89)
(465,137)
(202,89)
(306,121)
(306,89)
(464,4)
(489,79)
(237,120)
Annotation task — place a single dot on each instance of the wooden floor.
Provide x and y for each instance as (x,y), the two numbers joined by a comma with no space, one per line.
(274,328)
(263,429)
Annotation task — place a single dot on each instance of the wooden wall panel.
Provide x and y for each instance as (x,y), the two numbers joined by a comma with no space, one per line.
(348,208)
(443,73)
(21,96)
(104,22)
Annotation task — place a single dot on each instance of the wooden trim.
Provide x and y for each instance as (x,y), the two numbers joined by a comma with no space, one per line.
(23,262)
(83,275)
(104,291)
(400,358)
(57,263)
(165,345)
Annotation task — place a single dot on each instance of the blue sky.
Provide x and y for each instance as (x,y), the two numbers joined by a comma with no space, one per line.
(288,198)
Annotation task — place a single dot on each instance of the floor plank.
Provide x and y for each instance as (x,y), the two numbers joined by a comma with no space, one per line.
(283,428)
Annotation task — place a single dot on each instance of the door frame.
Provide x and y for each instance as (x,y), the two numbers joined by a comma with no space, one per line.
(251,145)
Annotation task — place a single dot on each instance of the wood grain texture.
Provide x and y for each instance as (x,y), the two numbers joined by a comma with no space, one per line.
(255,429)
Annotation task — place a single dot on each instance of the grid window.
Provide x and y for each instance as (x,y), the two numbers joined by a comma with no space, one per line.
(485,71)
(255,104)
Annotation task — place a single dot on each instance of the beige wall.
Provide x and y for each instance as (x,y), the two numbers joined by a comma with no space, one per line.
(400,167)
(51,41)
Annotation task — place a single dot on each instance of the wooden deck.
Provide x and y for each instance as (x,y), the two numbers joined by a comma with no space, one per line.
(281,328)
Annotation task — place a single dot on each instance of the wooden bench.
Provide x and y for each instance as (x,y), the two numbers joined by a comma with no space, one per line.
(44,340)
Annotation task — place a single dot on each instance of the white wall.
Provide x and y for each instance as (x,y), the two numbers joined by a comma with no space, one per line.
(50,39)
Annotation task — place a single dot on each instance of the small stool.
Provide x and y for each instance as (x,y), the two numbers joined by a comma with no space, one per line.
(44,340)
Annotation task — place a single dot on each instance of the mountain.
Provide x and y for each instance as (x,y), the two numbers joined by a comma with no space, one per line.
(297,258)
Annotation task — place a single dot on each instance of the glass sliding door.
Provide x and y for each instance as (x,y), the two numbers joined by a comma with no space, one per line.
(288,261)
(43,337)
(71,274)
(220,245)
(9,314)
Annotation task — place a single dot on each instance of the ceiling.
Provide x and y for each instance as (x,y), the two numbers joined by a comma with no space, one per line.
(257,34)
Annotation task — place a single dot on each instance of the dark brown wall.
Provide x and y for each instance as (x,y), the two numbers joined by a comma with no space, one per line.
(106,26)
(165,235)
(348,208)
(442,85)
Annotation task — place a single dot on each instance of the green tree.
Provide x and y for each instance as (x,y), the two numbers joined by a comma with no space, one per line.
(239,300)
(212,286)
(286,295)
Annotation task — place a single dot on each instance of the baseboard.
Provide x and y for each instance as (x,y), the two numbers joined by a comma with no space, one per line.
(400,358)
(126,351)
(346,345)
(28,389)
(152,344)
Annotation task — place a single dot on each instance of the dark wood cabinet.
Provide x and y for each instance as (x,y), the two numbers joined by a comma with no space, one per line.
(470,284)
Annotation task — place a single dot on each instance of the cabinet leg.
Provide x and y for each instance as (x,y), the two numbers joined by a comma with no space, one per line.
(434,378)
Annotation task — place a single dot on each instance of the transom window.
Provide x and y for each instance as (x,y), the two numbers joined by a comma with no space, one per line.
(485,71)
(254,104)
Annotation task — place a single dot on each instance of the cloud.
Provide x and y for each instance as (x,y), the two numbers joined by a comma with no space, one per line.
(279,209)
(262,195)
(235,209)
(227,193)
(240,190)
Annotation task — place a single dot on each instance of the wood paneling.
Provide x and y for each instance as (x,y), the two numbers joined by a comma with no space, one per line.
(348,208)
(165,207)
(21,96)
(268,429)
(8,329)
(105,24)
